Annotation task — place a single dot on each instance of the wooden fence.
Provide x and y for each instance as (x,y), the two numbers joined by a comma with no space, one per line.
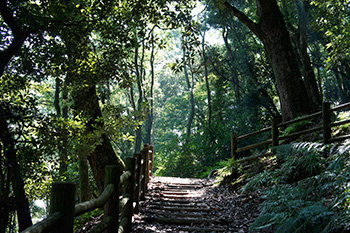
(133,182)
(276,130)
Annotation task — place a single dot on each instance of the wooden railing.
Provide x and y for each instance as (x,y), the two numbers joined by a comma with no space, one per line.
(276,136)
(133,182)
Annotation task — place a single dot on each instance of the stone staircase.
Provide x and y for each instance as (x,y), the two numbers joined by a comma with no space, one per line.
(177,205)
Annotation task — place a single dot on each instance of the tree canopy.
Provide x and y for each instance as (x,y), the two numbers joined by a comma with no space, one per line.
(85,83)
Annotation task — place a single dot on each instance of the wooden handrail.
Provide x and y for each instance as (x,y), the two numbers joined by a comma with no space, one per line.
(253,134)
(296,134)
(45,224)
(254,146)
(303,118)
(137,173)
(338,123)
(125,176)
(326,128)
(341,107)
(88,206)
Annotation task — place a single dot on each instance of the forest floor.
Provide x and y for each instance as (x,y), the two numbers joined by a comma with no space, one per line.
(195,205)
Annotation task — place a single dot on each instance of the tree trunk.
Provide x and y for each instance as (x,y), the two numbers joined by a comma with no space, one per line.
(139,76)
(234,79)
(86,102)
(149,122)
(272,31)
(205,63)
(317,57)
(84,181)
(10,153)
(307,70)
(63,159)
(63,149)
(190,86)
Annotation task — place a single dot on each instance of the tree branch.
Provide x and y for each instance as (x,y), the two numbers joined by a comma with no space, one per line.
(19,36)
(243,18)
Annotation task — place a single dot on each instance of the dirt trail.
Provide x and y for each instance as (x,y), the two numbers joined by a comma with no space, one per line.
(194,205)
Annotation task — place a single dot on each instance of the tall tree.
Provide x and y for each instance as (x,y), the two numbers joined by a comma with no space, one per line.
(206,73)
(272,31)
(149,98)
(190,88)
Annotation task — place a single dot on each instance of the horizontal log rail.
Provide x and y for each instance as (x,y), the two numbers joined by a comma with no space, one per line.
(134,183)
(88,206)
(341,107)
(254,145)
(254,133)
(297,134)
(300,119)
(276,131)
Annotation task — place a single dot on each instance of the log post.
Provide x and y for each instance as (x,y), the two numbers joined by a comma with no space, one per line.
(137,182)
(151,160)
(129,190)
(234,145)
(326,121)
(111,207)
(63,200)
(146,149)
(143,183)
(275,133)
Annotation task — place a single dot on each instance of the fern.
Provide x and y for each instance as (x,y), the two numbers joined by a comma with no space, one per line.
(309,193)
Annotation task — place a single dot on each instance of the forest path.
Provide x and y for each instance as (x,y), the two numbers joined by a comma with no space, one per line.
(193,205)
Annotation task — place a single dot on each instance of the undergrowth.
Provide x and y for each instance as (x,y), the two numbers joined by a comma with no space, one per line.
(308,192)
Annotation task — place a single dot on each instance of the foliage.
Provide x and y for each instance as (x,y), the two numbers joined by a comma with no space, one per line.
(333,20)
(81,220)
(309,192)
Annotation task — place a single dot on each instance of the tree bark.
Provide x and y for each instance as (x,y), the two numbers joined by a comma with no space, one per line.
(272,31)
(86,103)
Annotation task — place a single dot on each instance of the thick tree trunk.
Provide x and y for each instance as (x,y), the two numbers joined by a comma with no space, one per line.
(272,31)
(86,102)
